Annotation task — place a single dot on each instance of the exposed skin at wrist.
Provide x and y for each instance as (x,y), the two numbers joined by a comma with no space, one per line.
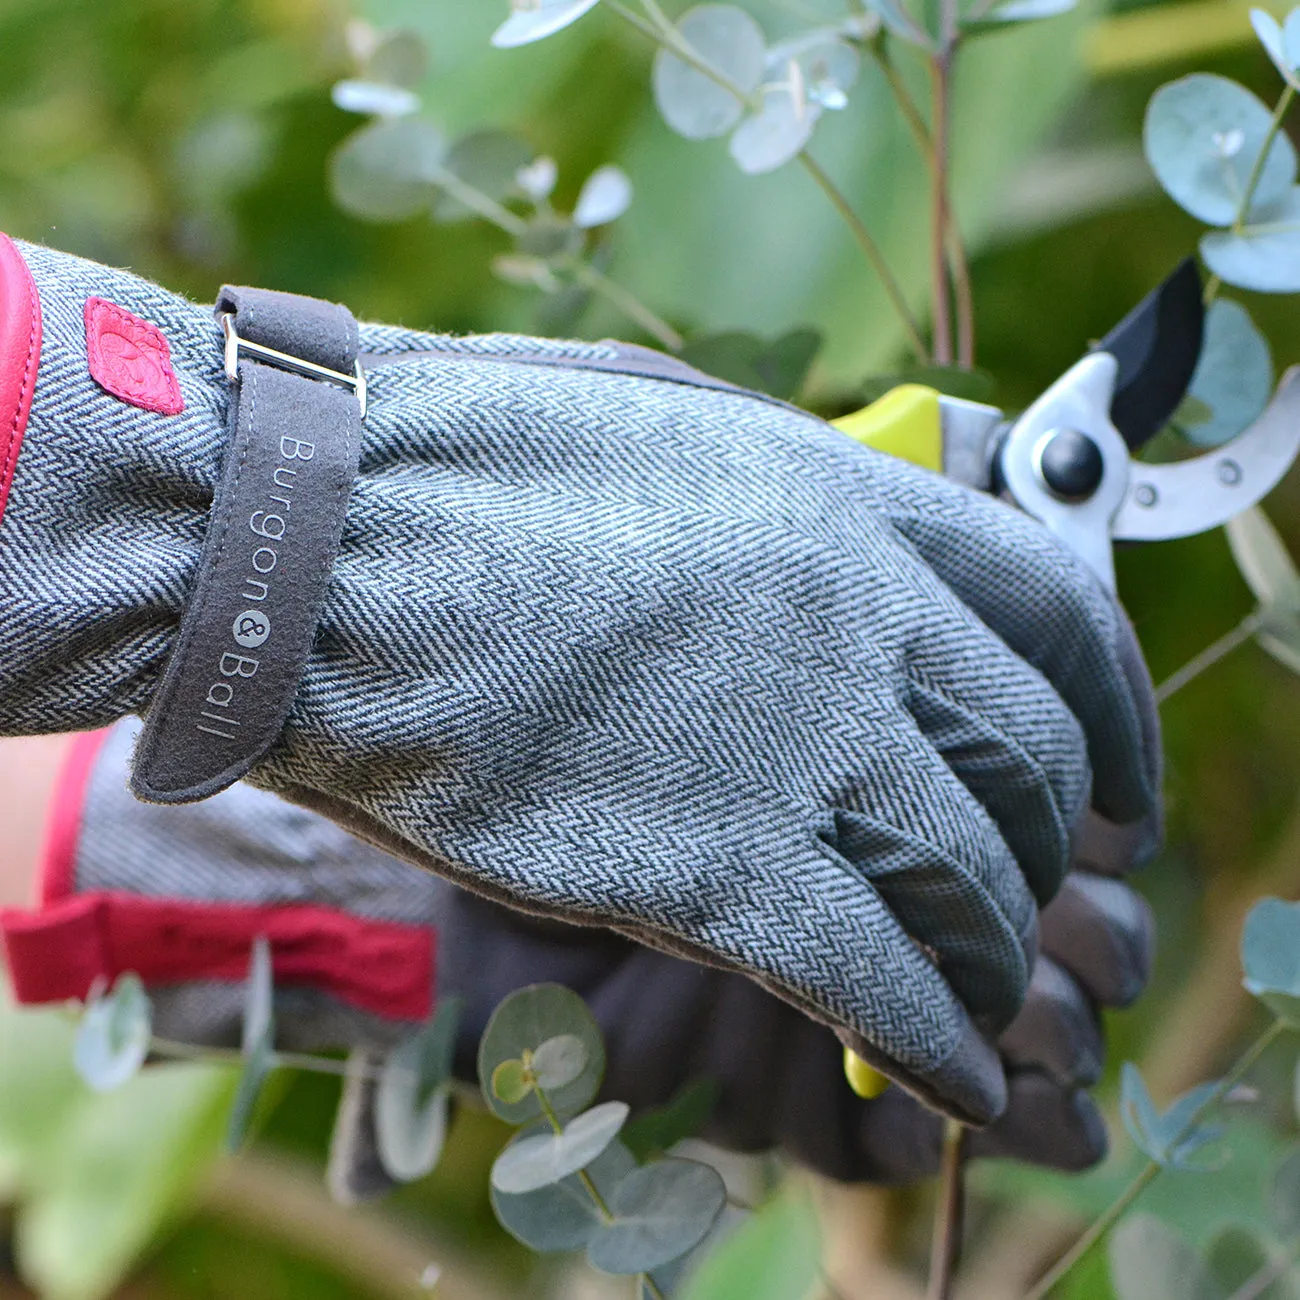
(29,774)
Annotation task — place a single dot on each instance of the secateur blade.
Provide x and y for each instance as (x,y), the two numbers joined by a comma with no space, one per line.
(1191,496)
(1157,346)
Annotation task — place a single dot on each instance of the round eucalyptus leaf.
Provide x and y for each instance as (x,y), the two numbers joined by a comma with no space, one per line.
(828,66)
(767,140)
(523,1022)
(388,170)
(559,1061)
(401,58)
(1284,1196)
(537,179)
(259,1061)
(511,1082)
(374,98)
(563,1215)
(1023,11)
(533,20)
(660,1212)
(535,1162)
(1281,43)
(1233,379)
(1234,1257)
(1149,1261)
(1263,560)
(728,40)
(1202,136)
(411,1101)
(1265,256)
(1270,956)
(114,1034)
(488,161)
(530,272)
(606,195)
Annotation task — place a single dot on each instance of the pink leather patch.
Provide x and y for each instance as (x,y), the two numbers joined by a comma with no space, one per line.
(20,353)
(130,358)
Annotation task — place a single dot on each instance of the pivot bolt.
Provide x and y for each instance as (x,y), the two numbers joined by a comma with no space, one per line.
(1070,464)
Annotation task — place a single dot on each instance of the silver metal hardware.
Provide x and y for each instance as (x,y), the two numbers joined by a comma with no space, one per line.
(283,361)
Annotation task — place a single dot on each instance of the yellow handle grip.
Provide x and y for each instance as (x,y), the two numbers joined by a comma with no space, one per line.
(908,423)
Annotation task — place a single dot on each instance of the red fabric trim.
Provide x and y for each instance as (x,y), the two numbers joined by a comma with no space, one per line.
(59,866)
(20,354)
(379,966)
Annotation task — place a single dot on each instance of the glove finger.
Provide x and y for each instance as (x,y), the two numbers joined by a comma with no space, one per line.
(1102,847)
(354,1172)
(1011,741)
(1103,933)
(1050,609)
(941,865)
(1045,1124)
(1056,1030)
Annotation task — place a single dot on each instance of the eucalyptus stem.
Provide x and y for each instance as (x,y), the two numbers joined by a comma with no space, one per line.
(661,31)
(233,1056)
(629,304)
(1100,1227)
(486,206)
(1210,656)
(941,298)
(1214,283)
(945,1246)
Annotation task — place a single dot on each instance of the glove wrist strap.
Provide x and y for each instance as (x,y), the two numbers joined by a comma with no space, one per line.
(277,518)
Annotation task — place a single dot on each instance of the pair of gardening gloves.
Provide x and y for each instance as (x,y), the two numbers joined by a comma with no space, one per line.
(626,649)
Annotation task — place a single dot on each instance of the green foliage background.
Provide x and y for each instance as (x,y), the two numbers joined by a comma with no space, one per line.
(189,139)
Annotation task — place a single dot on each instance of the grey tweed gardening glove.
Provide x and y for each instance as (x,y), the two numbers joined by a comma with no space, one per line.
(363,946)
(607,641)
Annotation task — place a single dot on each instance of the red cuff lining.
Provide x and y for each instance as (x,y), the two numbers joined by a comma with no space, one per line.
(381,967)
(59,866)
(20,352)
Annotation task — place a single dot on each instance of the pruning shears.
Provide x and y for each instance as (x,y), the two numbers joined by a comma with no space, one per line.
(1070,460)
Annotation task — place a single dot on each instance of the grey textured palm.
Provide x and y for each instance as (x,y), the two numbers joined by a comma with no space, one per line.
(630,652)
(667,1022)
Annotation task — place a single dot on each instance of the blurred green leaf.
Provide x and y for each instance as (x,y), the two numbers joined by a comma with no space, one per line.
(1265,256)
(562,1216)
(828,66)
(776,1254)
(1233,380)
(401,58)
(114,1035)
(1160,1135)
(512,1081)
(388,170)
(661,1211)
(1149,1261)
(124,1165)
(653,1132)
(1284,1196)
(779,368)
(1263,559)
(1019,11)
(411,1101)
(559,1062)
(971,385)
(1234,1257)
(535,1162)
(1203,134)
(490,162)
(523,1022)
(1270,956)
(533,20)
(728,40)
(606,195)
(258,1042)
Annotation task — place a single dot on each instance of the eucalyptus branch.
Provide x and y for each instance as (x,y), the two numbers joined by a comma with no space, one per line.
(628,303)
(1210,656)
(945,1246)
(233,1056)
(940,87)
(1100,1227)
(663,33)
(1214,284)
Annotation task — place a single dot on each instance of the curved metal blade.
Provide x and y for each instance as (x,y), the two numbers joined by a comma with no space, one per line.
(1191,496)
(1157,346)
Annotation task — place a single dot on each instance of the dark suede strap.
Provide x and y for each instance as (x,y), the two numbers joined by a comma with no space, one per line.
(276,522)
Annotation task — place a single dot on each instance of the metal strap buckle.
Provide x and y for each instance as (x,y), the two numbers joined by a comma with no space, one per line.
(235,345)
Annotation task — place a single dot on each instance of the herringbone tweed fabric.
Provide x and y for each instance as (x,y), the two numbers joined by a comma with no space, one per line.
(632,651)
